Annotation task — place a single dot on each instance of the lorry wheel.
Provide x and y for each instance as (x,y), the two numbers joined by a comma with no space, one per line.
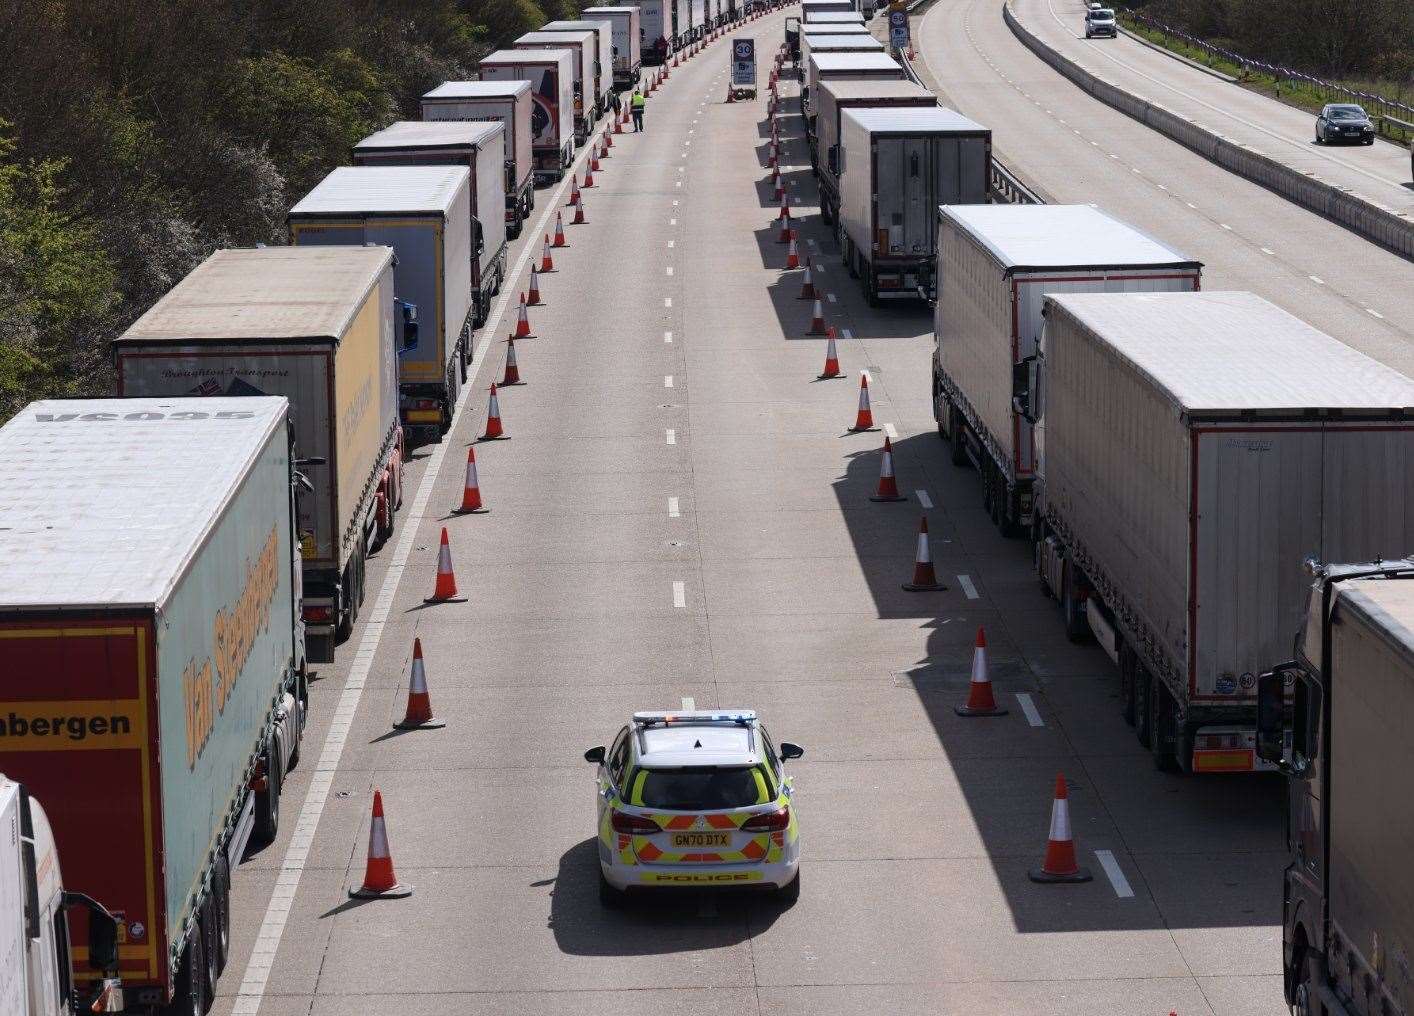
(190,998)
(1161,732)
(1072,612)
(267,802)
(957,429)
(1128,665)
(1143,690)
(221,891)
(211,969)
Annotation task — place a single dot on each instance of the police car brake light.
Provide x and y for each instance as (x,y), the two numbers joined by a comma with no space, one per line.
(633,825)
(770,822)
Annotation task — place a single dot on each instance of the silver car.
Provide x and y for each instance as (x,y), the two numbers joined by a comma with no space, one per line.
(1100,21)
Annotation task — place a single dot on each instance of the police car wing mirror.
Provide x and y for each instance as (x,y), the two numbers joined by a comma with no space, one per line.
(595,755)
(790,750)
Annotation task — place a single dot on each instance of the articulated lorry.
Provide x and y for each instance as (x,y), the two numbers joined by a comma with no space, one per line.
(626,42)
(37,972)
(895,166)
(1348,890)
(584,79)
(481,148)
(318,326)
(507,103)
(424,214)
(152,670)
(1194,448)
(812,42)
(552,113)
(810,10)
(656,39)
(823,130)
(996,263)
(603,30)
(847,66)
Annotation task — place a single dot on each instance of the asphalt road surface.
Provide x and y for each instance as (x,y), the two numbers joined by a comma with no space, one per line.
(681,515)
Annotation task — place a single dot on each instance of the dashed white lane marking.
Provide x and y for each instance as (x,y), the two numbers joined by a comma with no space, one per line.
(672,243)
(673,511)
(1114,874)
(669,269)
(923,498)
(667,380)
(678,183)
(968,589)
(889,430)
(831,297)
(1224,225)
(668,337)
(1371,310)
(667,301)
(846,333)
(672,222)
(1268,250)
(679,595)
(675,202)
(672,436)
(1161,187)
(680,169)
(1190,204)
(1029,708)
(688,703)
(1317,280)
(810,241)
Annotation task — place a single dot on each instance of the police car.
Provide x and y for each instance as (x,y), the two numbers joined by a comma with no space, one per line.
(696,799)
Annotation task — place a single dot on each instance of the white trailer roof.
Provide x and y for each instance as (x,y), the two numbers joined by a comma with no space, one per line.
(1387,602)
(569,26)
(108,501)
(407,134)
(815,29)
(515,57)
(862,42)
(385,190)
(477,89)
(912,120)
(1060,237)
(828,17)
(553,37)
(851,88)
(1215,352)
(265,293)
(825,62)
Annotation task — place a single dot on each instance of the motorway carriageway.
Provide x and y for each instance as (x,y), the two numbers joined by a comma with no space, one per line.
(680,517)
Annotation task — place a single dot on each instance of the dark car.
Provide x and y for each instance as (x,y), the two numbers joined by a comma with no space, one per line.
(1344,121)
(1100,21)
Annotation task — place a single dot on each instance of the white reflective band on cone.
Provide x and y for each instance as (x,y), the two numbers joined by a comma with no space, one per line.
(925,558)
(378,840)
(417,684)
(444,560)
(979,666)
(1060,821)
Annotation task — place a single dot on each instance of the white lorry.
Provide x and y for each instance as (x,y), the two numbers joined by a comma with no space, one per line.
(627,42)
(36,954)
(1195,449)
(552,112)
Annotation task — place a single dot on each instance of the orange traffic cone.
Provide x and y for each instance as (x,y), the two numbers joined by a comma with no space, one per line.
(780,185)
(888,483)
(773,158)
(494,431)
(817,319)
(471,490)
(512,376)
(593,160)
(731,94)
(574,191)
(784,220)
(864,419)
(578,219)
(832,360)
(379,880)
(604,146)
(924,578)
(792,256)
(980,700)
(533,298)
(523,322)
(559,240)
(618,125)
(547,261)
(445,590)
(419,711)
(1060,864)
(807,287)
(589,177)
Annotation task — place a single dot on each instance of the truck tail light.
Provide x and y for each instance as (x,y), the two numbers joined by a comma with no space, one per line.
(318,615)
(771,822)
(1219,742)
(258,780)
(634,825)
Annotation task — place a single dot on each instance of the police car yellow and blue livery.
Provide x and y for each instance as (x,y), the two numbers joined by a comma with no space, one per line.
(696,799)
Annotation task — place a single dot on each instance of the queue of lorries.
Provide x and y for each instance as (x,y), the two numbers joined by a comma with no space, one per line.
(1182,461)
(176,559)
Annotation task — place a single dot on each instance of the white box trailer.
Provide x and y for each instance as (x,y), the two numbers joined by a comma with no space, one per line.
(627,42)
(835,42)
(1195,449)
(996,263)
(689,16)
(834,21)
(823,130)
(811,9)
(424,214)
(481,148)
(552,117)
(603,30)
(585,80)
(847,66)
(507,103)
(895,166)
(315,325)
(657,40)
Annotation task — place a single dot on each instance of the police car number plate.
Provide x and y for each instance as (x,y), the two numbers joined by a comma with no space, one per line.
(702,839)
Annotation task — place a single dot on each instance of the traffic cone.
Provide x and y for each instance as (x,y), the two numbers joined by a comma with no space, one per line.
(924,578)
(559,240)
(445,590)
(471,490)
(1060,864)
(618,129)
(578,219)
(533,298)
(773,158)
(817,319)
(593,160)
(494,431)
(780,188)
(512,376)
(864,419)
(980,701)
(792,256)
(574,191)
(832,360)
(589,177)
(547,261)
(731,94)
(523,322)
(807,287)
(379,881)
(419,711)
(888,483)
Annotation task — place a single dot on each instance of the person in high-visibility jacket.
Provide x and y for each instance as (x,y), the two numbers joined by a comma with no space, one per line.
(636,108)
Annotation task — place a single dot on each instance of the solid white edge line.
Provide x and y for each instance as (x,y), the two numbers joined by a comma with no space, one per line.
(1028,707)
(923,498)
(672,436)
(668,337)
(1115,874)
(968,589)
(680,595)
(889,430)
(673,510)
(251,993)
(688,703)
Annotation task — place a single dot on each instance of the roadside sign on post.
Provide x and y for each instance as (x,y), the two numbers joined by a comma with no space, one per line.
(898,29)
(744,63)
